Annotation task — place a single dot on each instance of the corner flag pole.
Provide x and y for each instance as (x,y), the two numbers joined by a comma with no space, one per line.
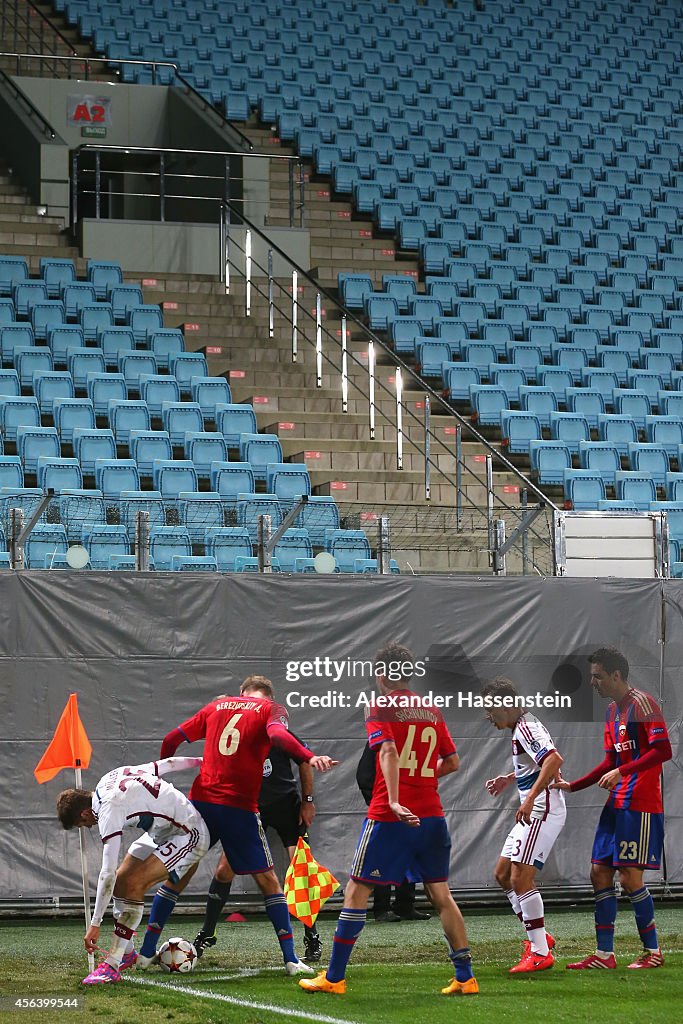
(84,871)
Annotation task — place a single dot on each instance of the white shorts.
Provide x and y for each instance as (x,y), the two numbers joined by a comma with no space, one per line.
(531,844)
(177,851)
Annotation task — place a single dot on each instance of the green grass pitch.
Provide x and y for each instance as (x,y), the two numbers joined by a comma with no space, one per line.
(395,976)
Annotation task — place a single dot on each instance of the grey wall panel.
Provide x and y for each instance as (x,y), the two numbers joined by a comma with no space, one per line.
(145,651)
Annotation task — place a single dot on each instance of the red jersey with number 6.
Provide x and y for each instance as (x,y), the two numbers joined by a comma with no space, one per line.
(237,744)
(421,737)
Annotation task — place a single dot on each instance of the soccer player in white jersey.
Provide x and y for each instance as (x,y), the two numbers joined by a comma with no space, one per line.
(538,821)
(175,840)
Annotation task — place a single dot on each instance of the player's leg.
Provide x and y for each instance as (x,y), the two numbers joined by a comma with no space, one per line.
(602,880)
(503,876)
(639,840)
(538,957)
(179,854)
(454,929)
(383,856)
(219,891)
(277,910)
(349,926)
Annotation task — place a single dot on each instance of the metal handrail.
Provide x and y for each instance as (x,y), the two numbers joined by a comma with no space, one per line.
(86,61)
(427,388)
(290,161)
(52,26)
(23,98)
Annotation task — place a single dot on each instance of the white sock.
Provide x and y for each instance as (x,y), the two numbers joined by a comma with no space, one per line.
(514,902)
(534,921)
(127,916)
(602,954)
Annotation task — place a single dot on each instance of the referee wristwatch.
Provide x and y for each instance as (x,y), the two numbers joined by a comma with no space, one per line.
(308,799)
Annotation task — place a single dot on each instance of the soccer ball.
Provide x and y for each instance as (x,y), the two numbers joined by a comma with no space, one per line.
(177,956)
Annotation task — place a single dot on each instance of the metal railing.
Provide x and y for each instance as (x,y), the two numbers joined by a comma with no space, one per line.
(95,177)
(358,380)
(81,67)
(22,99)
(30,29)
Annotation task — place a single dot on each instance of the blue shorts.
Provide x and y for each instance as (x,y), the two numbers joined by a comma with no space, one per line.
(628,839)
(241,836)
(389,851)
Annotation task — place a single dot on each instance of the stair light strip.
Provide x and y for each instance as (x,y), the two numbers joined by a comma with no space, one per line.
(227,253)
(295,310)
(371,387)
(247,271)
(318,342)
(344,368)
(428,448)
(399,418)
(271,308)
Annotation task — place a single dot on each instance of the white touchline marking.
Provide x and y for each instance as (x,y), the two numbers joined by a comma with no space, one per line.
(252,1004)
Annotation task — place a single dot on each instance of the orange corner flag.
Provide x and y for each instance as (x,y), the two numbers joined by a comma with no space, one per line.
(307,885)
(68,745)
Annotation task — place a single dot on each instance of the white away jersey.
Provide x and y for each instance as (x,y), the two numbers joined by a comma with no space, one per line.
(531,743)
(136,797)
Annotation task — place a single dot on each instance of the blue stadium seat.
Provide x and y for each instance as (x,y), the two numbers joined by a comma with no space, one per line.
(45,315)
(652,459)
(29,361)
(637,488)
(134,365)
(601,457)
(589,402)
(103,388)
(488,401)
(457,380)
(104,541)
(132,502)
(14,337)
(234,420)
(58,474)
(144,321)
(165,543)
(56,273)
(539,400)
(294,545)
(34,442)
(11,471)
(104,277)
(112,476)
(347,546)
(204,449)
(210,393)
(50,385)
(260,450)
(165,344)
(125,416)
(148,445)
(79,510)
(15,412)
(583,489)
(181,418)
(83,361)
(156,389)
(95,318)
(171,477)
(90,445)
(571,428)
(69,413)
(200,513)
(251,506)
(114,341)
(9,383)
(288,481)
(549,460)
(187,365)
(518,429)
(227,544)
(13,270)
(44,542)
(125,298)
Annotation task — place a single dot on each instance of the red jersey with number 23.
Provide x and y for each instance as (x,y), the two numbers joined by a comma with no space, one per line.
(237,744)
(421,737)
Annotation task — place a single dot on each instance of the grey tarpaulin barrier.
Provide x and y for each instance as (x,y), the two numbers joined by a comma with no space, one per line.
(143,652)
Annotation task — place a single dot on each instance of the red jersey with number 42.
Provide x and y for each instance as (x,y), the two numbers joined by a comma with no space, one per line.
(632,727)
(421,738)
(237,744)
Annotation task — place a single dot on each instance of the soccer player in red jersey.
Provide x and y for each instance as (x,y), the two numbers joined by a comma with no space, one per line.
(630,832)
(238,732)
(405,830)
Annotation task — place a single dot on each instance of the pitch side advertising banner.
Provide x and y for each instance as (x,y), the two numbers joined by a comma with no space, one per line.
(144,652)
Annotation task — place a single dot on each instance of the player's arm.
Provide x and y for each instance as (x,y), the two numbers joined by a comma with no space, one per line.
(499,783)
(388,763)
(658,754)
(307,810)
(171,742)
(279,734)
(550,766)
(590,778)
(447,765)
(168,765)
(105,889)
